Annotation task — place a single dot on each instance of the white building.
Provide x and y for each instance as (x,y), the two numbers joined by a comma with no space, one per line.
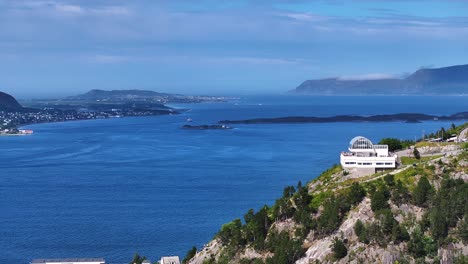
(170,260)
(70,261)
(363,154)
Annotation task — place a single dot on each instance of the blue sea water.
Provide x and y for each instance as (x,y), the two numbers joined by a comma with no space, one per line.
(110,188)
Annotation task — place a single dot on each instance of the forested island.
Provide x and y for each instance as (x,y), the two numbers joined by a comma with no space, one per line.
(417,213)
(402,117)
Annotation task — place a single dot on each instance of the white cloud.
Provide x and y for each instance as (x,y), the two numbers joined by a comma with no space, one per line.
(71,9)
(304,17)
(370,76)
(189,59)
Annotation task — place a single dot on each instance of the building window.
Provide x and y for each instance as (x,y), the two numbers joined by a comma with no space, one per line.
(359,163)
(367,163)
(350,163)
(379,163)
(388,163)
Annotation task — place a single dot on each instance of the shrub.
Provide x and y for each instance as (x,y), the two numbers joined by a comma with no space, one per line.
(339,249)
(389,179)
(190,254)
(416,153)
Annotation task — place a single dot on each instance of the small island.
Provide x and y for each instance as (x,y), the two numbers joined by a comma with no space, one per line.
(207,127)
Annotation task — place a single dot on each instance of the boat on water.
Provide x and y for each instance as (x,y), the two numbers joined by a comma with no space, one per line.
(189,119)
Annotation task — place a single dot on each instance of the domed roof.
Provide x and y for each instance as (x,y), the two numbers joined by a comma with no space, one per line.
(360,143)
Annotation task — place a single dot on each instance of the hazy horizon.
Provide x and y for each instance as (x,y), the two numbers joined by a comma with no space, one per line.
(60,48)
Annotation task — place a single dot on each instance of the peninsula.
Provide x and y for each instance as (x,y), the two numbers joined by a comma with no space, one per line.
(402,117)
(95,104)
(451,80)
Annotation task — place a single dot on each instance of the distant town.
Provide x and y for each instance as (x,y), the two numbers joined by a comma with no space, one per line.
(96,104)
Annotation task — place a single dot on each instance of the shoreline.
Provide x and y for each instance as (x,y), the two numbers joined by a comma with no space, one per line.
(91,119)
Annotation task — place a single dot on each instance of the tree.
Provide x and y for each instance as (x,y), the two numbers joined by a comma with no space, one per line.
(438,222)
(422,192)
(137,259)
(256,228)
(231,233)
(463,230)
(286,250)
(399,234)
(379,199)
(393,143)
(339,249)
(360,230)
(190,254)
(416,154)
(416,244)
(356,193)
(400,194)
(387,221)
(329,220)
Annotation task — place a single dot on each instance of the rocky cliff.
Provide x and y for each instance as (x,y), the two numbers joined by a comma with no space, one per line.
(415,214)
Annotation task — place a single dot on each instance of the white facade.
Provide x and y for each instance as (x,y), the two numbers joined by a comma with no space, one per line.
(170,260)
(363,154)
(69,261)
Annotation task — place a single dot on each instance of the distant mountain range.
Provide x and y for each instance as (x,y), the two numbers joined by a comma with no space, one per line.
(9,103)
(441,81)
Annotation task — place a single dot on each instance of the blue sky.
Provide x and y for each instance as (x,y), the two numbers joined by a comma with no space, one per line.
(54,48)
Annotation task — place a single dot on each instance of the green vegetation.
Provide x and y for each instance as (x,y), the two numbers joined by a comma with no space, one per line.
(396,144)
(379,198)
(137,259)
(339,249)
(278,232)
(447,133)
(410,161)
(421,245)
(423,192)
(416,154)
(297,204)
(287,250)
(190,254)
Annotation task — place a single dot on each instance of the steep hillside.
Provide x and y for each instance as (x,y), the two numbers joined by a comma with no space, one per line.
(9,103)
(416,214)
(448,80)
